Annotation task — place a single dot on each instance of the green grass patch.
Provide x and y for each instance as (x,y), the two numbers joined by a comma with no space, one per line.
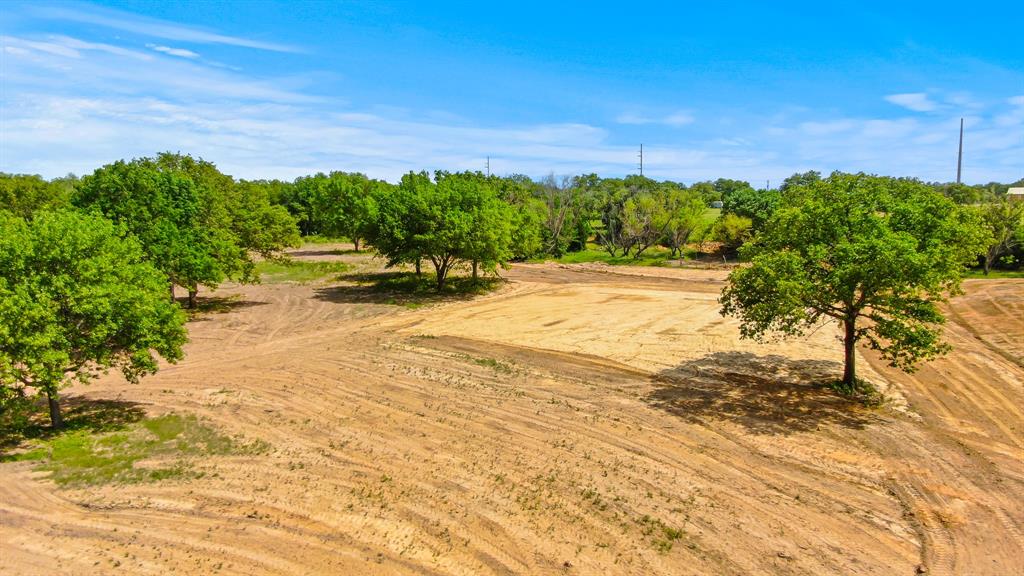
(318,239)
(653,256)
(710,215)
(993,274)
(298,271)
(141,451)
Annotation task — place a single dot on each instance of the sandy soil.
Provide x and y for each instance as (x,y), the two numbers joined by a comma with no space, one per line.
(556,426)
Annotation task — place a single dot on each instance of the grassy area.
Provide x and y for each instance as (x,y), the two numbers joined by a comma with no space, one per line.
(299,271)
(994,274)
(317,239)
(653,256)
(83,457)
(710,215)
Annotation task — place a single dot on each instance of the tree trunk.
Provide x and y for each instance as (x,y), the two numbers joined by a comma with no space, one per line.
(192,298)
(356,242)
(419,271)
(172,292)
(474,269)
(442,273)
(988,264)
(850,363)
(56,420)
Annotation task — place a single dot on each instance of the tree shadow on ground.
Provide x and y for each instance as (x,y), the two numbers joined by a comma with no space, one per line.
(216,305)
(763,394)
(30,419)
(404,289)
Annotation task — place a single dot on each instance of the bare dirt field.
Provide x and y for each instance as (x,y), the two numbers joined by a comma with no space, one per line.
(579,420)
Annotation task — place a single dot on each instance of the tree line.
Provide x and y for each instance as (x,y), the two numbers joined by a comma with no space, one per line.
(89,266)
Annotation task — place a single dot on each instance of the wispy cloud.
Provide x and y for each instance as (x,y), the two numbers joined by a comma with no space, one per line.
(916,101)
(180,52)
(152,27)
(73,105)
(674,119)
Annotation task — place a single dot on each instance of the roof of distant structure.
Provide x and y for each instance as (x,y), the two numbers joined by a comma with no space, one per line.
(1015,191)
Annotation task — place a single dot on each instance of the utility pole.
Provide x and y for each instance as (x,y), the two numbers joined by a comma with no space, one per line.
(488,166)
(960,153)
(641,159)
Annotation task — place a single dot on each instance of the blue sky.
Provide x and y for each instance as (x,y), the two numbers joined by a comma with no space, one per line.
(742,90)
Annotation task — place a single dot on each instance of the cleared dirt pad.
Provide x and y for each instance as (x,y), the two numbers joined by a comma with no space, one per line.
(577,421)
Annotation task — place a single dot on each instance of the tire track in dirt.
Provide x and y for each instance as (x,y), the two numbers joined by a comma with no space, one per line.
(394,452)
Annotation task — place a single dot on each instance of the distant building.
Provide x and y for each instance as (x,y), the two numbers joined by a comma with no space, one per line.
(1015,194)
(718,203)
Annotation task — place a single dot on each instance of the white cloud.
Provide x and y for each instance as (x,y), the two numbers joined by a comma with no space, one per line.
(675,119)
(180,52)
(71,105)
(153,27)
(916,101)
(678,119)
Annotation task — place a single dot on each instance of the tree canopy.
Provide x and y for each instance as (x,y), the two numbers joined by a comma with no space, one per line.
(457,217)
(875,254)
(77,298)
(192,221)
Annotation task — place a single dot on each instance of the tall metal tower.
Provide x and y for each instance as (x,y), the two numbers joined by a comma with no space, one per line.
(960,153)
(641,159)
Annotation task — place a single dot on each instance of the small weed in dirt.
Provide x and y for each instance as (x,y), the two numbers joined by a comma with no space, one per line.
(83,457)
(662,536)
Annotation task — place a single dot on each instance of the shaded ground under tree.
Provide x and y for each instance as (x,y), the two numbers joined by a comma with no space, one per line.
(764,394)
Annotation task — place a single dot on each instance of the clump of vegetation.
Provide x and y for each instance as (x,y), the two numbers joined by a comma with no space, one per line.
(493,364)
(662,536)
(83,457)
(299,271)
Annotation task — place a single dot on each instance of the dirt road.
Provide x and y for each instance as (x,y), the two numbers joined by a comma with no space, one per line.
(577,421)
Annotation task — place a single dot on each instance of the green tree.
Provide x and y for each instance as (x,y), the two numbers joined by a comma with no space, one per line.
(875,254)
(76,298)
(194,223)
(261,226)
(1005,219)
(346,205)
(453,218)
(685,209)
(800,179)
(731,231)
(23,194)
(645,219)
(399,222)
(757,205)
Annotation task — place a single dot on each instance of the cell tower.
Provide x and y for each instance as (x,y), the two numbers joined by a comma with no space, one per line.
(641,159)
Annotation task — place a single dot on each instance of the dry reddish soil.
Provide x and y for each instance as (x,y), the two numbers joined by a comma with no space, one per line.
(556,426)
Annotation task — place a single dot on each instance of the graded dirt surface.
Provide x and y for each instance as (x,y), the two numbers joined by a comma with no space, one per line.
(579,420)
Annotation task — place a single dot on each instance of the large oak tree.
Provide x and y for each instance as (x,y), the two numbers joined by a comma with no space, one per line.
(77,298)
(875,254)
